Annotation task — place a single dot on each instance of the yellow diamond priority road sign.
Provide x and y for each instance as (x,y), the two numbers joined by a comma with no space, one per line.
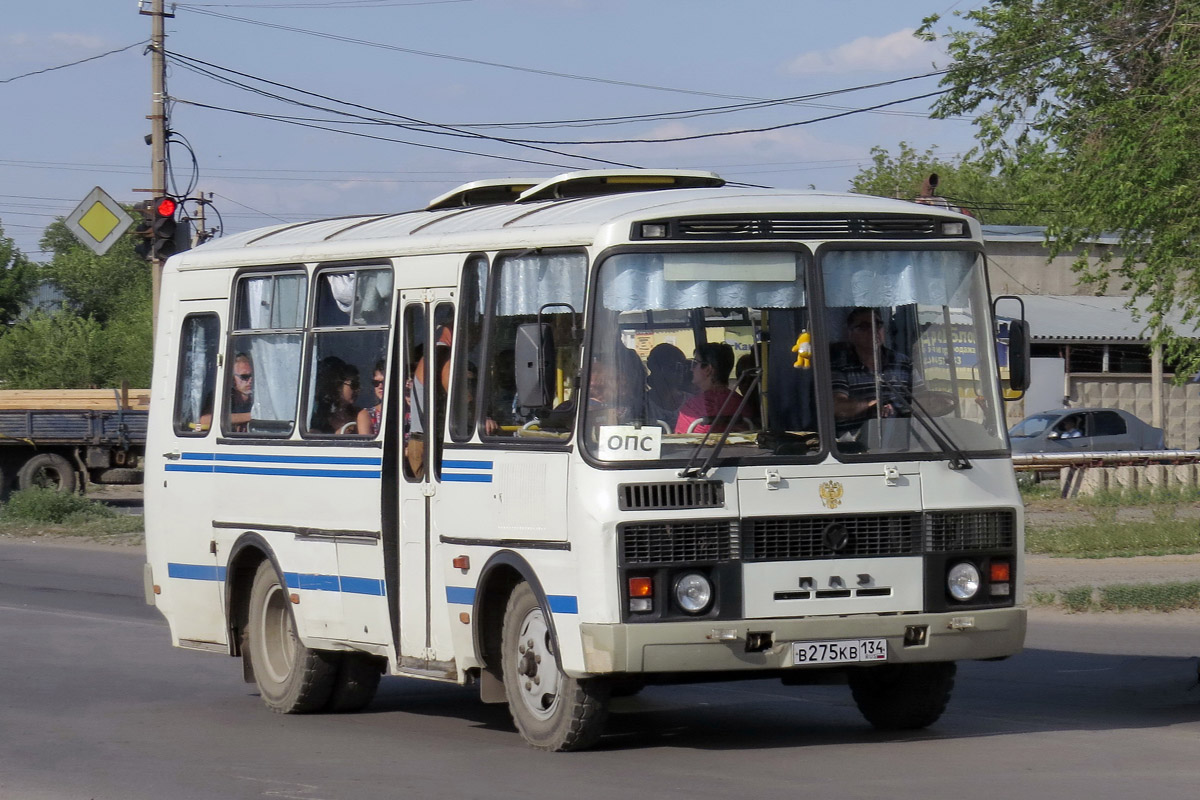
(99,221)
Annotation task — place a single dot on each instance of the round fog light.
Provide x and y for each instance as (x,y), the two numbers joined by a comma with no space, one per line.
(693,593)
(963,581)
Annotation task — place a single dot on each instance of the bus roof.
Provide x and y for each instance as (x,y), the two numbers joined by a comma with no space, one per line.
(570,221)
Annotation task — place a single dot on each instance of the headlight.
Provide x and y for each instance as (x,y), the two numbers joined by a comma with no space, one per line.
(693,593)
(963,581)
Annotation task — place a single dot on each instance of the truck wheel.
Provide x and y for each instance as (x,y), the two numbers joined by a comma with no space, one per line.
(895,697)
(291,678)
(357,679)
(47,471)
(551,710)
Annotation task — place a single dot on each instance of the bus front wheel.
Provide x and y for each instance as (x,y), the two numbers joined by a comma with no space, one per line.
(551,710)
(896,697)
(291,678)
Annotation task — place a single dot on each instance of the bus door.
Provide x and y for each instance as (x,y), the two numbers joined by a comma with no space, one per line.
(193,565)
(427,325)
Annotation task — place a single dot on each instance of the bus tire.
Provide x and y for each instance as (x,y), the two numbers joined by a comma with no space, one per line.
(291,678)
(47,471)
(551,710)
(895,697)
(357,679)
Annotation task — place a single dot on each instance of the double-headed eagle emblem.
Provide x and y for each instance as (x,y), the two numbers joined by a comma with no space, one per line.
(831,494)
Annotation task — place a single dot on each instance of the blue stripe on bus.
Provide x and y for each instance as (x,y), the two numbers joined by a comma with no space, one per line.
(460,595)
(196,572)
(455,464)
(559,603)
(293,472)
(295,580)
(466,477)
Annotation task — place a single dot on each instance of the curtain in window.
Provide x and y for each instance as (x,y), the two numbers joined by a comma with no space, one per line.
(529,282)
(638,282)
(898,277)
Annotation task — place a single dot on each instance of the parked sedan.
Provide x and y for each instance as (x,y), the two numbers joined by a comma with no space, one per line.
(1072,430)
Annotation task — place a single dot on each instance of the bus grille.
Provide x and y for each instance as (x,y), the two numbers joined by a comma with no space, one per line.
(668,496)
(644,543)
(841,536)
(970,530)
(784,226)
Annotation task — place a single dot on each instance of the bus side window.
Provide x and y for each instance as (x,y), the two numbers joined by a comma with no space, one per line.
(197,377)
(349,350)
(415,399)
(263,358)
(439,378)
(467,342)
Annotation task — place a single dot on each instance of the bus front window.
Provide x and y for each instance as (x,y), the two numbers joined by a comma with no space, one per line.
(688,346)
(911,359)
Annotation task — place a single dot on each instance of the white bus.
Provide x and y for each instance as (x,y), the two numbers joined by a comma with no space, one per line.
(566,439)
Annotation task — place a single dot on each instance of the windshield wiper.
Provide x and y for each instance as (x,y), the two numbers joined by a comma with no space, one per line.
(958,459)
(690,470)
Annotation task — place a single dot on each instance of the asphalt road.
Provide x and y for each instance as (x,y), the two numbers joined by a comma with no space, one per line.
(96,704)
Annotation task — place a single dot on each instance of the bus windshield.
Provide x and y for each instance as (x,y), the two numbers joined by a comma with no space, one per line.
(695,350)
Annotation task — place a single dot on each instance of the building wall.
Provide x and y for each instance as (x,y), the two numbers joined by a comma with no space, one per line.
(1021,267)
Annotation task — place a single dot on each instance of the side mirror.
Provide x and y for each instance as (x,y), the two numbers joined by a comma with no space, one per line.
(1053,435)
(534,365)
(1018,355)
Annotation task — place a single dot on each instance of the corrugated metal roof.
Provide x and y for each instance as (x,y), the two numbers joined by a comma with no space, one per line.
(1069,318)
(1033,234)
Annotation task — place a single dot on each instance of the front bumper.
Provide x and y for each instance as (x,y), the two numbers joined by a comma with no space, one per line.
(718,646)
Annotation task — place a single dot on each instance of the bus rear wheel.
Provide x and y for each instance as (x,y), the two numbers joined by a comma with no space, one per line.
(551,710)
(292,678)
(896,697)
(357,680)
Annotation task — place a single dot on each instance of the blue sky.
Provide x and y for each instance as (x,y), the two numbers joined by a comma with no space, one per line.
(454,63)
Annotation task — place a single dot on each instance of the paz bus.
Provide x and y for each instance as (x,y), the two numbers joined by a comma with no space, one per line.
(449,444)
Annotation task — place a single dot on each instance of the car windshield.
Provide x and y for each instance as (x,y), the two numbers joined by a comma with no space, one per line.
(1032,426)
(697,350)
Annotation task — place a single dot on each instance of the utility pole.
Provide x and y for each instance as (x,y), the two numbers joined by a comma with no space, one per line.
(158,125)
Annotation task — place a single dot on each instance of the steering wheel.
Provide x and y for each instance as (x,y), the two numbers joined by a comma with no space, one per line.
(937,403)
(346,428)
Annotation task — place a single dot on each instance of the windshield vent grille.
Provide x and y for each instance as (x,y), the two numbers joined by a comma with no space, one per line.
(644,543)
(670,496)
(841,536)
(970,530)
(794,226)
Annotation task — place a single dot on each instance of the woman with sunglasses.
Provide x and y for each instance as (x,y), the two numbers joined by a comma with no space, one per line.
(369,419)
(337,389)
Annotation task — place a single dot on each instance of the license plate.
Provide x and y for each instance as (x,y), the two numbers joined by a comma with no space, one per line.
(839,651)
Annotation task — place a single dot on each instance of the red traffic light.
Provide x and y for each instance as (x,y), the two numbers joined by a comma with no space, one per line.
(165,207)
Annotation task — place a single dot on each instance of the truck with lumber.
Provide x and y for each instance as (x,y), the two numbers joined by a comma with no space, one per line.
(67,438)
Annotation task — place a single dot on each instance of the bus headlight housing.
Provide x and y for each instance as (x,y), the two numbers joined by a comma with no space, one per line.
(693,592)
(963,581)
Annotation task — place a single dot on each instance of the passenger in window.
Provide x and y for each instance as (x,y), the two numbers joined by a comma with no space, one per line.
(414,448)
(241,397)
(668,384)
(868,378)
(241,394)
(337,389)
(369,419)
(716,404)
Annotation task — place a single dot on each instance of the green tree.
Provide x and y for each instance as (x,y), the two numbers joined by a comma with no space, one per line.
(18,280)
(996,199)
(102,287)
(56,351)
(1105,95)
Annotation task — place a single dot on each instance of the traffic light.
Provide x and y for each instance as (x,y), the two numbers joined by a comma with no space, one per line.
(142,233)
(162,228)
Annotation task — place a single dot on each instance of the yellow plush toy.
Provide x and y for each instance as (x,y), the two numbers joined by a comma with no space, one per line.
(803,350)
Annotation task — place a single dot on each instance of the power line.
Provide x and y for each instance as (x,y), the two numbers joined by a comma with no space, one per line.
(73,63)
(190,63)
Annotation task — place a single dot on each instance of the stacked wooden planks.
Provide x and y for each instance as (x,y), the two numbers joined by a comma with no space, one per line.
(84,399)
